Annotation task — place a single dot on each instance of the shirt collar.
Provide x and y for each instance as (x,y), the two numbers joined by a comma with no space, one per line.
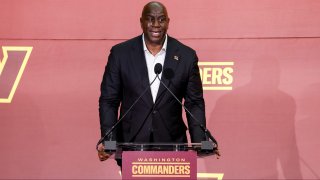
(164,47)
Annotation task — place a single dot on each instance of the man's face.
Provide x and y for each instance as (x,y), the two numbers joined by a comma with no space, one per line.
(154,23)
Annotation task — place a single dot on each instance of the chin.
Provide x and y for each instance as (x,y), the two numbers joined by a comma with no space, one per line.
(156,40)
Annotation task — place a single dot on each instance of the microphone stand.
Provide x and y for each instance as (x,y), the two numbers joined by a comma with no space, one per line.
(206,131)
(116,124)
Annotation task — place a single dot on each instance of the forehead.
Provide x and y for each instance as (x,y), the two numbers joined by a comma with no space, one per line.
(154,10)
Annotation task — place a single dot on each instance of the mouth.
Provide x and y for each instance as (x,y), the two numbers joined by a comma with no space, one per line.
(155,33)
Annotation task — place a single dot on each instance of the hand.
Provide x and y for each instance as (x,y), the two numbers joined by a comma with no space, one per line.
(102,154)
(217,152)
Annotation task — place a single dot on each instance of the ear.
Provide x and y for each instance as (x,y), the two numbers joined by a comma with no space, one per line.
(141,22)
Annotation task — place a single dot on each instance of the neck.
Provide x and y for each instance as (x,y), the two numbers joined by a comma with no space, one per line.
(154,48)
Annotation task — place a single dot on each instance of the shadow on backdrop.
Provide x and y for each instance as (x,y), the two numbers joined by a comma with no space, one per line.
(255,125)
(308,130)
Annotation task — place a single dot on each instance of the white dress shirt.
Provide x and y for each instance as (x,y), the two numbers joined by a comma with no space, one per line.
(151,62)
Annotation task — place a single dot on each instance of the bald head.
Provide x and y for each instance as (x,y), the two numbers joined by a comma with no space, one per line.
(154,5)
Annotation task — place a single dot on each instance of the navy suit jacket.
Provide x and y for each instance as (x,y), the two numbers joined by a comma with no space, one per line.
(126,77)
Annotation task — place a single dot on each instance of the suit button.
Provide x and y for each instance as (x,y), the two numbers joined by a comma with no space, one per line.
(154,112)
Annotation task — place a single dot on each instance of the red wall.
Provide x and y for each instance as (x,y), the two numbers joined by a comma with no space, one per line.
(267,125)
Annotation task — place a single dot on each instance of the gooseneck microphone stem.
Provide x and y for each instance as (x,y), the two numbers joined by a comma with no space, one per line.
(157,71)
(206,131)
(124,115)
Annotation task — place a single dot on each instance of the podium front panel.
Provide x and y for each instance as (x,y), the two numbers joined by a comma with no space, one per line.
(159,165)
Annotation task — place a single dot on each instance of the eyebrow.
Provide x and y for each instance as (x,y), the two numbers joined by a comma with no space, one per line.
(152,15)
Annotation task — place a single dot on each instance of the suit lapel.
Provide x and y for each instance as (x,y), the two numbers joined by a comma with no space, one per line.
(138,57)
(171,62)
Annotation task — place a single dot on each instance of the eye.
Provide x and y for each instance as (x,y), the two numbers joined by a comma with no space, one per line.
(150,19)
(162,19)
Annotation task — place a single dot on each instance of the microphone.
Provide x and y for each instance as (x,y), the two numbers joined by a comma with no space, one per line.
(168,74)
(157,68)
(157,71)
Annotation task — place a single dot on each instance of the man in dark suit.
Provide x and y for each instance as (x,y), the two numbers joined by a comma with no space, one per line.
(157,117)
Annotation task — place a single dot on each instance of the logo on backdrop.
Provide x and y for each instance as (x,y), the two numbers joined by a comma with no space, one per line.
(216,75)
(12,65)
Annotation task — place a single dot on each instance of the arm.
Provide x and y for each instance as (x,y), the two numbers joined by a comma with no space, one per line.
(111,95)
(195,103)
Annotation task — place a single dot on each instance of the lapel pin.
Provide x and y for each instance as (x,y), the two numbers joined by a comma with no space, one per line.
(176,58)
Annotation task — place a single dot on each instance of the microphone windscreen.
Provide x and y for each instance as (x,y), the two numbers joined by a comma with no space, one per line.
(158,68)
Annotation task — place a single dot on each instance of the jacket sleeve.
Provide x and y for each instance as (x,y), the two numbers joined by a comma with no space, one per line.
(194,102)
(111,94)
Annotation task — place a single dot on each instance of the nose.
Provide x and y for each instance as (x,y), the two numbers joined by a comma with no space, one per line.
(156,23)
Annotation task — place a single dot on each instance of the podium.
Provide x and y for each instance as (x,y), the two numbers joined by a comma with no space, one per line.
(159,160)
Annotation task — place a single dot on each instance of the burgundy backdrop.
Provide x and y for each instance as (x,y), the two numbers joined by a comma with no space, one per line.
(267,125)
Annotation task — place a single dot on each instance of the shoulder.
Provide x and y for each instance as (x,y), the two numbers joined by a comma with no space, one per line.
(182,47)
(128,44)
(186,54)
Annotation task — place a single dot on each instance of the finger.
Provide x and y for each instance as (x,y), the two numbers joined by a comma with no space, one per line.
(103,158)
(101,148)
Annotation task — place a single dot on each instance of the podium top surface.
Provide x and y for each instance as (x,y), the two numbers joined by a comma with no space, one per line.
(204,146)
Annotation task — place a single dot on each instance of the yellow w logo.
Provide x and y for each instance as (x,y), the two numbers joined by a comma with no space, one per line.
(11,69)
